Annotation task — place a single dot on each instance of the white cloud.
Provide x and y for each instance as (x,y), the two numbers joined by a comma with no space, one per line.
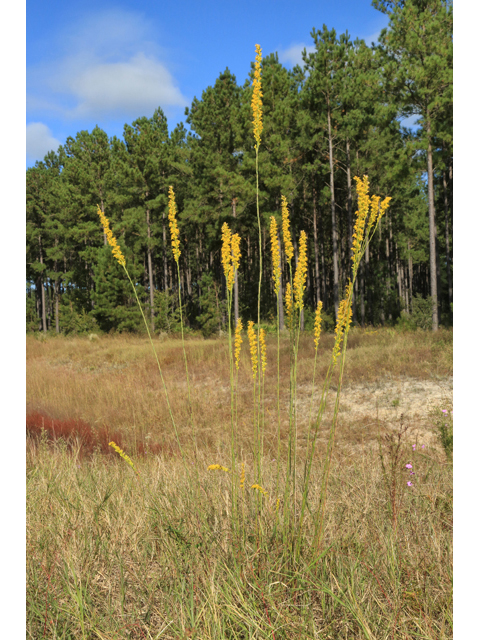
(106,66)
(293,55)
(131,88)
(40,141)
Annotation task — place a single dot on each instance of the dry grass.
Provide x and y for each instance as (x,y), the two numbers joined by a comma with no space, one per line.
(114,382)
(111,555)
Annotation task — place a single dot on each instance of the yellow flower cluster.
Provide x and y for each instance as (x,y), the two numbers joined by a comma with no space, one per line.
(344,318)
(275,254)
(123,455)
(238,341)
(317,329)
(214,467)
(112,241)
(287,238)
(300,272)
(369,208)
(259,488)
(253,347)
(288,299)
(242,477)
(263,351)
(230,254)
(257,96)
(172,217)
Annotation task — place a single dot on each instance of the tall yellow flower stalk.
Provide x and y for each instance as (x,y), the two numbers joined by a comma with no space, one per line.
(253,348)
(275,255)
(287,238)
(238,342)
(172,218)
(257,108)
(300,272)
(175,239)
(257,96)
(121,260)
(369,213)
(112,241)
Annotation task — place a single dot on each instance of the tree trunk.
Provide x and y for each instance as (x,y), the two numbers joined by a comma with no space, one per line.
(447,242)
(334,217)
(432,226)
(44,310)
(315,244)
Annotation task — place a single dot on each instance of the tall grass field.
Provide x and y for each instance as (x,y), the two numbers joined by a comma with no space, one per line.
(265,484)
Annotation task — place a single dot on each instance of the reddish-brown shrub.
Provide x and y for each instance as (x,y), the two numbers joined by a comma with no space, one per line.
(77,432)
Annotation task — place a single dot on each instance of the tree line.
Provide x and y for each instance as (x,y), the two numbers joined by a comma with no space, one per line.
(335,116)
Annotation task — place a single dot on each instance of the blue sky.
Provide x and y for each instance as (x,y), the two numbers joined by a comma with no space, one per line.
(108,63)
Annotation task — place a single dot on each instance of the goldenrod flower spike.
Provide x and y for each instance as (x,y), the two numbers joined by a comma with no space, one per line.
(214,467)
(123,455)
(253,348)
(242,477)
(235,262)
(226,249)
(287,238)
(288,299)
(259,488)
(317,329)
(275,254)
(344,319)
(263,350)
(301,272)
(172,217)
(257,96)
(112,241)
(238,342)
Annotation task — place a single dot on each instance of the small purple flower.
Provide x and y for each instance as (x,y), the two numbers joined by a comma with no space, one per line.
(409,484)
(412,473)
(408,466)
(444,411)
(423,446)
(414,446)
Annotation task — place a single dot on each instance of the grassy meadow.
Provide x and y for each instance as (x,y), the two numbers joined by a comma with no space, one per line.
(170,552)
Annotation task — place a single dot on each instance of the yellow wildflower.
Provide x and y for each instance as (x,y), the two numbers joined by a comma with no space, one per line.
(112,241)
(275,254)
(344,318)
(288,299)
(263,351)
(253,347)
(123,455)
(226,249)
(317,329)
(257,96)
(238,341)
(172,217)
(259,488)
(301,272)
(214,467)
(242,477)
(236,255)
(287,238)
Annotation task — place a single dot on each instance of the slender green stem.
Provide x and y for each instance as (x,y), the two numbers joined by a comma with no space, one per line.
(158,364)
(192,422)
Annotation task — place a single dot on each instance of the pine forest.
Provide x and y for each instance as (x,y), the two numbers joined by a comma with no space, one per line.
(335,117)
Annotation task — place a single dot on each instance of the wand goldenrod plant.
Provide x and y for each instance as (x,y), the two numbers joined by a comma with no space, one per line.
(175,238)
(118,255)
(296,504)
(123,455)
